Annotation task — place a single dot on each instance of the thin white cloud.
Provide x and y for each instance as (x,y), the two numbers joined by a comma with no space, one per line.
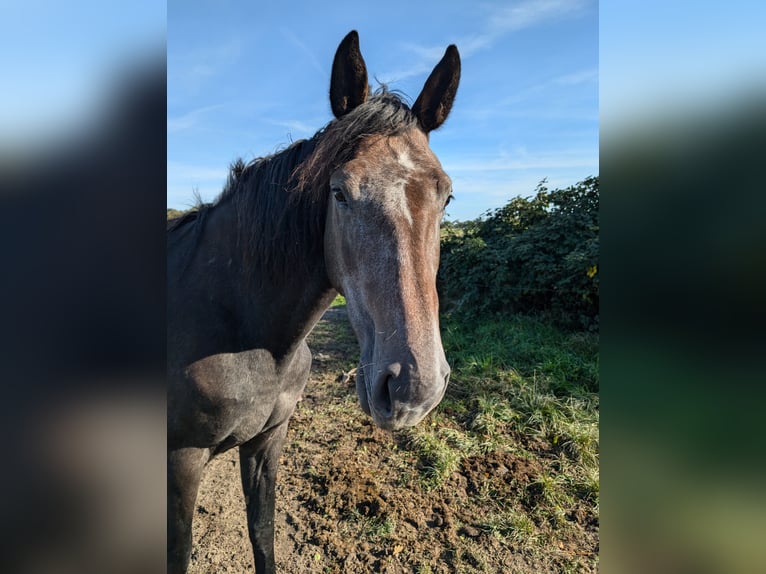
(544,100)
(522,161)
(426,53)
(180,171)
(199,71)
(190,119)
(576,78)
(420,67)
(500,22)
(299,127)
(290,35)
(522,15)
(193,69)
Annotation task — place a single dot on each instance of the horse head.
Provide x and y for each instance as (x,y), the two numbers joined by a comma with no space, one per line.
(386,201)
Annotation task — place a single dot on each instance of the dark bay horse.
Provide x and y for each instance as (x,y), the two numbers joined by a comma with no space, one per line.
(356,210)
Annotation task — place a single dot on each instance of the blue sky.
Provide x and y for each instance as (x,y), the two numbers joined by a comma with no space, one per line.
(60,63)
(246,78)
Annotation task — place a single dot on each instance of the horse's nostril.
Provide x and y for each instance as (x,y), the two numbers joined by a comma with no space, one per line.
(388,384)
(384,402)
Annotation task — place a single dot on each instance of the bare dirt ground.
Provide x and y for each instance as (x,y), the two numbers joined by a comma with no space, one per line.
(348,497)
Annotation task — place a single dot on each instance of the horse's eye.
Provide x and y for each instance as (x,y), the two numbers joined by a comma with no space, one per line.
(338,195)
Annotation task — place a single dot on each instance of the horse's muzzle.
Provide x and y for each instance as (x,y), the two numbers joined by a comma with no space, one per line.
(399,396)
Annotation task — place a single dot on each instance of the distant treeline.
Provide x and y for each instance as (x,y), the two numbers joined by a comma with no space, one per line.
(173,213)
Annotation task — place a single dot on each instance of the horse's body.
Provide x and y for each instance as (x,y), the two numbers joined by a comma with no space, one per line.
(356,210)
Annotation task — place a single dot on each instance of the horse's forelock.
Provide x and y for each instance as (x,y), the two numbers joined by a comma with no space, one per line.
(383,114)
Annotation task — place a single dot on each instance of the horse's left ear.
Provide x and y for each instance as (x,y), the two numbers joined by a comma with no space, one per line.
(435,101)
(348,86)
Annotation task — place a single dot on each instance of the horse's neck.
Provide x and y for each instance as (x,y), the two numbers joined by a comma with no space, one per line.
(270,310)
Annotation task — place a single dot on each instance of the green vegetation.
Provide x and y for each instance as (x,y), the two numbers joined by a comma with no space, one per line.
(438,459)
(537,255)
(173,213)
(339,301)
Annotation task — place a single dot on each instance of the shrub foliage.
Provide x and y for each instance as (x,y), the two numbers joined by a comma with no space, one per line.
(536,255)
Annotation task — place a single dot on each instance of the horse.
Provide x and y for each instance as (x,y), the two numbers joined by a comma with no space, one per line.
(353,210)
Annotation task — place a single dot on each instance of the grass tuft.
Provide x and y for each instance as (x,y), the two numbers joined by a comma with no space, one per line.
(372,528)
(512,525)
(439,454)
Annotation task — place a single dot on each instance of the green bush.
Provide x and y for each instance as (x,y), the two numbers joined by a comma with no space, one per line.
(535,255)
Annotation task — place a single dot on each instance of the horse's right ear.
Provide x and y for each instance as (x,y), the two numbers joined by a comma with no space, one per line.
(348,86)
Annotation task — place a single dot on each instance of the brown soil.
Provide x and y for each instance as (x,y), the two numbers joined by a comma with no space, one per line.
(347,502)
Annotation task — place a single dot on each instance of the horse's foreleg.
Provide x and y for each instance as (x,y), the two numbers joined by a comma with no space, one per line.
(259,459)
(184,472)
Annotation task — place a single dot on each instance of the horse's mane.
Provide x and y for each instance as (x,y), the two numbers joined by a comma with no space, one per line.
(280,200)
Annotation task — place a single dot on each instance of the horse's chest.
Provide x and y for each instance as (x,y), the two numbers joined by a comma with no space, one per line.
(233,397)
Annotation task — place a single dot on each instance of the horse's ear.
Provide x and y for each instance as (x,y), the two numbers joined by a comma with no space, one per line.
(435,101)
(348,86)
